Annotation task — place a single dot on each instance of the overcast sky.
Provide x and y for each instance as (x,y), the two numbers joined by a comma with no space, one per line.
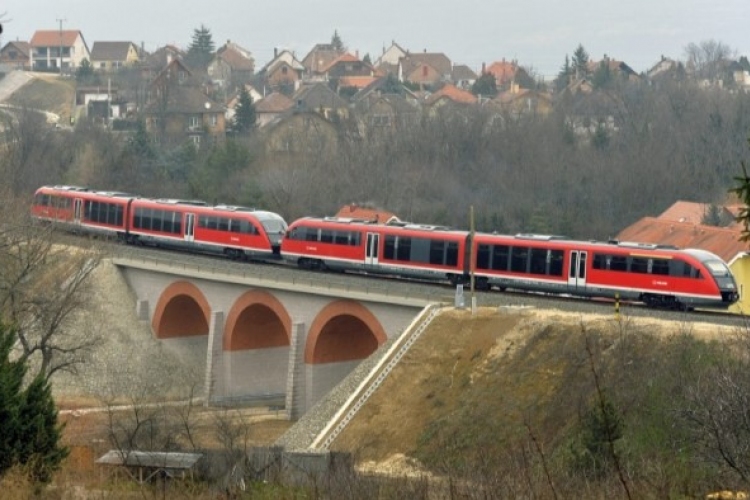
(537,33)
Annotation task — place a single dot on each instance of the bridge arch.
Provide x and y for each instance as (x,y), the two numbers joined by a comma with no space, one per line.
(257,320)
(344,330)
(182,311)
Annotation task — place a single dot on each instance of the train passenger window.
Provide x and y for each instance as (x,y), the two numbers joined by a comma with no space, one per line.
(326,235)
(297,233)
(177,224)
(311,234)
(145,218)
(660,266)
(389,247)
(538,262)
(341,237)
(451,254)
(518,259)
(157,217)
(403,249)
(437,249)
(223,224)
(483,257)
(420,251)
(600,261)
(618,263)
(355,239)
(202,221)
(500,257)
(556,262)
(212,223)
(639,265)
(167,225)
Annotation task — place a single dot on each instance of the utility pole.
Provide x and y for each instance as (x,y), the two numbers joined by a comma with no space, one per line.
(60,21)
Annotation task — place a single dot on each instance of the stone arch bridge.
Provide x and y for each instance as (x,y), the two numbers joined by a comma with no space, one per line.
(262,339)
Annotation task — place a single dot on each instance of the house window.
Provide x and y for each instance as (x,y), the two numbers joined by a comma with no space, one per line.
(284,70)
(194,122)
(214,120)
(181,76)
(196,140)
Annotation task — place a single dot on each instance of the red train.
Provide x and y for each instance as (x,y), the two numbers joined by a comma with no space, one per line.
(237,232)
(658,276)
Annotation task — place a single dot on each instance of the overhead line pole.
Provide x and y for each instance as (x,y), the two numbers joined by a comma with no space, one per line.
(60,21)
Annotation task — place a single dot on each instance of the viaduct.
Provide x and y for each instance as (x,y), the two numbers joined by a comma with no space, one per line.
(262,338)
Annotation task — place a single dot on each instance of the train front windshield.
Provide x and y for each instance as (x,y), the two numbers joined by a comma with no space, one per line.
(718,269)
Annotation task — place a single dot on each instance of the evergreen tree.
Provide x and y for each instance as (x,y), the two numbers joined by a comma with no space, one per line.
(85,73)
(485,85)
(580,62)
(367,59)
(29,435)
(201,48)
(602,76)
(563,77)
(245,116)
(337,43)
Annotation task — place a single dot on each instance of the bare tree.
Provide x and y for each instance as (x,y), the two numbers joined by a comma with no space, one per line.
(43,291)
(707,58)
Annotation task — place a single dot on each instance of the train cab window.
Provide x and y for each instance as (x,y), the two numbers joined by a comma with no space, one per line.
(326,235)
(500,257)
(660,266)
(483,257)
(639,265)
(519,259)
(538,262)
(297,233)
(556,258)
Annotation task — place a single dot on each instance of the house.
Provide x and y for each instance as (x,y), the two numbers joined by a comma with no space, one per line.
(386,112)
(319,98)
(231,63)
(16,55)
(524,102)
(355,211)
(450,94)
(463,77)
(615,67)
(503,71)
(666,69)
(271,107)
(178,110)
(153,64)
(111,56)
(390,56)
(58,50)
(385,85)
(284,71)
(318,59)
(347,65)
(722,241)
(426,68)
(298,138)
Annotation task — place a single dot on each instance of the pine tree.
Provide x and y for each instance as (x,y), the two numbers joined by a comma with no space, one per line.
(580,62)
(244,115)
(29,435)
(485,85)
(201,48)
(337,43)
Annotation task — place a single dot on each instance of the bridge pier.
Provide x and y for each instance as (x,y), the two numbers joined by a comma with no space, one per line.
(214,358)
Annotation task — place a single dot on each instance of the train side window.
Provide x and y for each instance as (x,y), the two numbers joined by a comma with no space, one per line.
(660,266)
(600,261)
(341,237)
(500,257)
(618,263)
(177,224)
(326,235)
(420,251)
(223,224)
(157,219)
(119,215)
(639,265)
(212,223)
(538,261)
(311,234)
(202,221)
(451,254)
(389,247)
(519,257)
(403,249)
(437,252)
(167,222)
(556,258)
(483,257)
(88,210)
(137,218)
(146,218)
(355,239)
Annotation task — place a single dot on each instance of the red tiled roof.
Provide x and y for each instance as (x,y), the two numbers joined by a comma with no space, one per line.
(454,94)
(724,242)
(685,211)
(359,82)
(354,211)
(502,71)
(345,57)
(53,38)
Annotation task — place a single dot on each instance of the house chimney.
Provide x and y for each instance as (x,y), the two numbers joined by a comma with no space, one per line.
(484,68)
(356,53)
(275,52)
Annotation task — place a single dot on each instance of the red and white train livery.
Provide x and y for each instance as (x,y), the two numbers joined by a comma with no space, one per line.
(237,232)
(658,276)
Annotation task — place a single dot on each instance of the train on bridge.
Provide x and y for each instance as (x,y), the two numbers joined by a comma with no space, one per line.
(659,276)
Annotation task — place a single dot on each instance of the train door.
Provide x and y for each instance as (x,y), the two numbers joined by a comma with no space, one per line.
(577,271)
(189,227)
(371,250)
(77,210)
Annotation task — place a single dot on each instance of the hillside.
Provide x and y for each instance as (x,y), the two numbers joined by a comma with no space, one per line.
(47,93)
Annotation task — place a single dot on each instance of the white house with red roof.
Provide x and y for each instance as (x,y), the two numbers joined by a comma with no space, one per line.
(55,49)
